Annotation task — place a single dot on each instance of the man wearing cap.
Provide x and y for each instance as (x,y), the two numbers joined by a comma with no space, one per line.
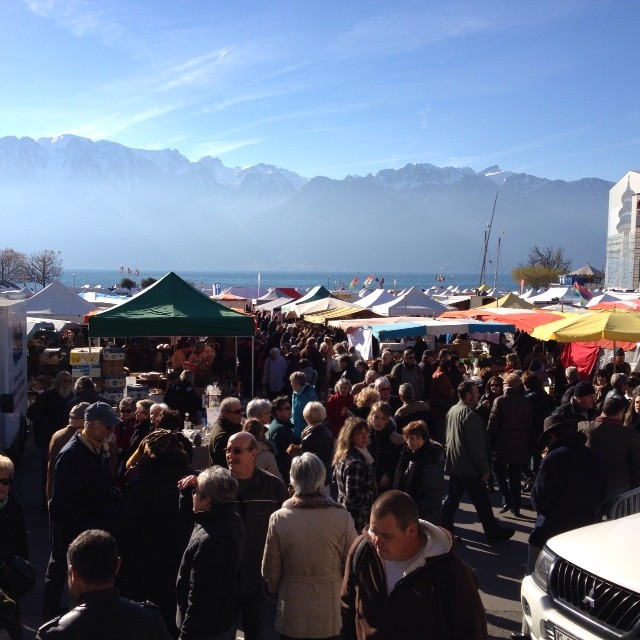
(568,490)
(82,496)
(617,444)
(619,391)
(61,437)
(408,371)
(581,406)
(619,365)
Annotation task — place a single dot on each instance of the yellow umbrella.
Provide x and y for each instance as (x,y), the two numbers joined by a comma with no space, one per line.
(608,324)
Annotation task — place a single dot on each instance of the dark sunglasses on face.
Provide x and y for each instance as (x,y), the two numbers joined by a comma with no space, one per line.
(236,411)
(236,450)
(7,482)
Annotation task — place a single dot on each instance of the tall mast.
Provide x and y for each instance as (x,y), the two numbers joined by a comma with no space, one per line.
(495,279)
(487,235)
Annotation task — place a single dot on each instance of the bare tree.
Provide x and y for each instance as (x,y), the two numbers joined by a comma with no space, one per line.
(12,265)
(550,258)
(44,267)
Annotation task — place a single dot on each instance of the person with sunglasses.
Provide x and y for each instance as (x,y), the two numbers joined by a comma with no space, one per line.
(229,422)
(259,495)
(13,533)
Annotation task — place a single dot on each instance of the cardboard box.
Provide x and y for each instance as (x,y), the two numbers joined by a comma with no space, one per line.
(112,367)
(113,353)
(112,382)
(82,356)
(91,371)
(137,391)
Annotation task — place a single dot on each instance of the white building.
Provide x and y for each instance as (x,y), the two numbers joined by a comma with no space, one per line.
(623,238)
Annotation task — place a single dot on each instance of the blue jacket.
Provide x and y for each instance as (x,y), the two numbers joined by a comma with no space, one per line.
(299,400)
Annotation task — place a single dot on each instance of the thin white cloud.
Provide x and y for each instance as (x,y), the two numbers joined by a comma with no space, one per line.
(116,122)
(218,148)
(191,71)
(423,23)
(82,19)
(538,143)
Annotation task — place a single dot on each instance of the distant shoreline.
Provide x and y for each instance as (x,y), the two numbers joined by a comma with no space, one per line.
(281,278)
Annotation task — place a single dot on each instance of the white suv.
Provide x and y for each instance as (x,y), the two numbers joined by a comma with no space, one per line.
(586,584)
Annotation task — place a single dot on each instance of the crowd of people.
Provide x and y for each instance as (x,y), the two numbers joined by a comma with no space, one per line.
(324,510)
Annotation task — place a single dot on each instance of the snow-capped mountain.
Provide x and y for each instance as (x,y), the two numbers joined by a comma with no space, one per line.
(68,192)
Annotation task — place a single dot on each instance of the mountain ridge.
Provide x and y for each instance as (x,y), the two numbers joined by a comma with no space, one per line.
(417,217)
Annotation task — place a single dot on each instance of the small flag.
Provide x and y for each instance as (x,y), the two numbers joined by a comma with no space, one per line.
(354,282)
(137,271)
(367,282)
(582,291)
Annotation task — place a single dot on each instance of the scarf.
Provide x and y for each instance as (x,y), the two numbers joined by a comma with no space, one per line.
(313,501)
(364,452)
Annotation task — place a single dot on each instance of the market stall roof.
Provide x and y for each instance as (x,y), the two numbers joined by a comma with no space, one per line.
(316,306)
(316,293)
(341,312)
(170,307)
(272,305)
(426,326)
(510,301)
(378,296)
(413,302)
(610,325)
(57,302)
(523,319)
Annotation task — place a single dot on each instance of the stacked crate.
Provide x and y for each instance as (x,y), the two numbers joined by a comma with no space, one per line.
(113,374)
(87,363)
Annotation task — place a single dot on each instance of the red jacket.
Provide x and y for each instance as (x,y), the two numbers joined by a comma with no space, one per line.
(335,404)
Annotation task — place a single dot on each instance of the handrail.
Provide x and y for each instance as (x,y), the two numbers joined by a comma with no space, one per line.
(625,505)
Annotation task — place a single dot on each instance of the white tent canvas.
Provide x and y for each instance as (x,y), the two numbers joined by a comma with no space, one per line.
(564,294)
(412,303)
(57,302)
(323,304)
(379,296)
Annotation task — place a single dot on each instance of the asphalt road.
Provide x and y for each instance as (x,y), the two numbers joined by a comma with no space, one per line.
(500,567)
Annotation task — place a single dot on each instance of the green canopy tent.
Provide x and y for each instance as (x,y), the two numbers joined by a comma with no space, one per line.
(170,307)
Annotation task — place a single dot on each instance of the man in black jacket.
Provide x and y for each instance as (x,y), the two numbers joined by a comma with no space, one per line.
(82,497)
(228,423)
(49,413)
(101,613)
(207,587)
(259,495)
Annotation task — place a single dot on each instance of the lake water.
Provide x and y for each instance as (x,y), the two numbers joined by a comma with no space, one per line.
(330,279)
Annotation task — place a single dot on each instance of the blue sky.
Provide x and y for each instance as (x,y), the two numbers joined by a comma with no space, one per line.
(332,87)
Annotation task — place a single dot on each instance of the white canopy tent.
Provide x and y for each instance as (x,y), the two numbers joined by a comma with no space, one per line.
(379,296)
(57,302)
(411,303)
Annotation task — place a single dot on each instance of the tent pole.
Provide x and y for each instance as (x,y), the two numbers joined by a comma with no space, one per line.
(253,363)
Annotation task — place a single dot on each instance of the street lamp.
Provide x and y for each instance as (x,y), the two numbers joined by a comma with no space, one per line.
(74,280)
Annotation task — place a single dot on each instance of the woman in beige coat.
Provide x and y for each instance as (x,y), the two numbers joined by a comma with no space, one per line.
(305,555)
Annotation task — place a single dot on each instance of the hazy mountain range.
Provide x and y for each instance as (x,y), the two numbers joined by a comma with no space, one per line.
(103,204)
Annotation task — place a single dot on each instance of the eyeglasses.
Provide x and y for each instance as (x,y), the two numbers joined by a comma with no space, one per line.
(236,411)
(127,410)
(384,388)
(236,450)
(6,482)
